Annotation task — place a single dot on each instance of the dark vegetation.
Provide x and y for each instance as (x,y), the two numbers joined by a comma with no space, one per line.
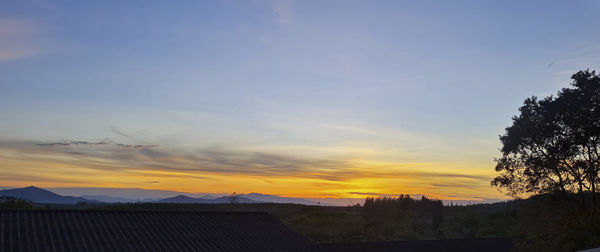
(380,219)
(553,145)
(14,203)
(540,223)
(552,150)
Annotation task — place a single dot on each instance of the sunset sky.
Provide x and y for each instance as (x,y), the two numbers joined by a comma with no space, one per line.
(337,99)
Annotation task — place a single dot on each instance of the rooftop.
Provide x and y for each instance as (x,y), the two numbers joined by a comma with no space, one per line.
(85,230)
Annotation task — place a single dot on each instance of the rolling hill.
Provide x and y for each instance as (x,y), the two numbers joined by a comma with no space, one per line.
(220,200)
(39,195)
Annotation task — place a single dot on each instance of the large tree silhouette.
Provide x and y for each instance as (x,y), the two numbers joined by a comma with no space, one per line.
(553,144)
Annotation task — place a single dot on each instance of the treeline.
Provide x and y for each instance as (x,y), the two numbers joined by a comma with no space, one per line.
(402,217)
(14,203)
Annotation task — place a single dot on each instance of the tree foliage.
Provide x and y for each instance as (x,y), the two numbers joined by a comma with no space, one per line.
(233,198)
(14,203)
(553,144)
(402,217)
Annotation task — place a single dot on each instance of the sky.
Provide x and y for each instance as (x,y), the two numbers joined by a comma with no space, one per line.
(319,99)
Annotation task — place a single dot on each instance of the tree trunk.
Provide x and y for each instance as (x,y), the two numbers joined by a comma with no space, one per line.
(581,194)
(593,192)
(561,184)
(592,175)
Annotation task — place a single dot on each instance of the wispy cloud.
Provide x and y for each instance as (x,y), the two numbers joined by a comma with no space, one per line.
(17,39)
(137,146)
(283,10)
(209,159)
(462,184)
(215,159)
(375,194)
(72,143)
(333,175)
(69,143)
(123,134)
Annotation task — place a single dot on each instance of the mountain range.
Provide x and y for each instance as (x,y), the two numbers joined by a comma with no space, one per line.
(39,195)
(277,199)
(125,195)
(73,195)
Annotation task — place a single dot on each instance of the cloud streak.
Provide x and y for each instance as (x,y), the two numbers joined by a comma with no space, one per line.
(153,163)
(17,39)
(209,159)
(376,194)
(70,143)
(138,146)
(283,11)
(74,143)
(106,155)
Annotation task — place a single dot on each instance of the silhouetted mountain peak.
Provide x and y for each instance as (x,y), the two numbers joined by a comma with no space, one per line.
(33,189)
(36,194)
(190,200)
(277,199)
(182,197)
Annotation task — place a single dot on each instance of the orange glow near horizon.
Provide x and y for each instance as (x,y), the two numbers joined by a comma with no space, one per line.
(365,178)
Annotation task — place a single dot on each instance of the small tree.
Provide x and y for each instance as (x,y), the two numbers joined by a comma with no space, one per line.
(14,203)
(233,198)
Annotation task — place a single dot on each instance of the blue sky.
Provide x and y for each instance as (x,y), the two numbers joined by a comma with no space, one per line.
(424,86)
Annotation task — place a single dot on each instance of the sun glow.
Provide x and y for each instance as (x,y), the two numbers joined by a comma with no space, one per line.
(316,179)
